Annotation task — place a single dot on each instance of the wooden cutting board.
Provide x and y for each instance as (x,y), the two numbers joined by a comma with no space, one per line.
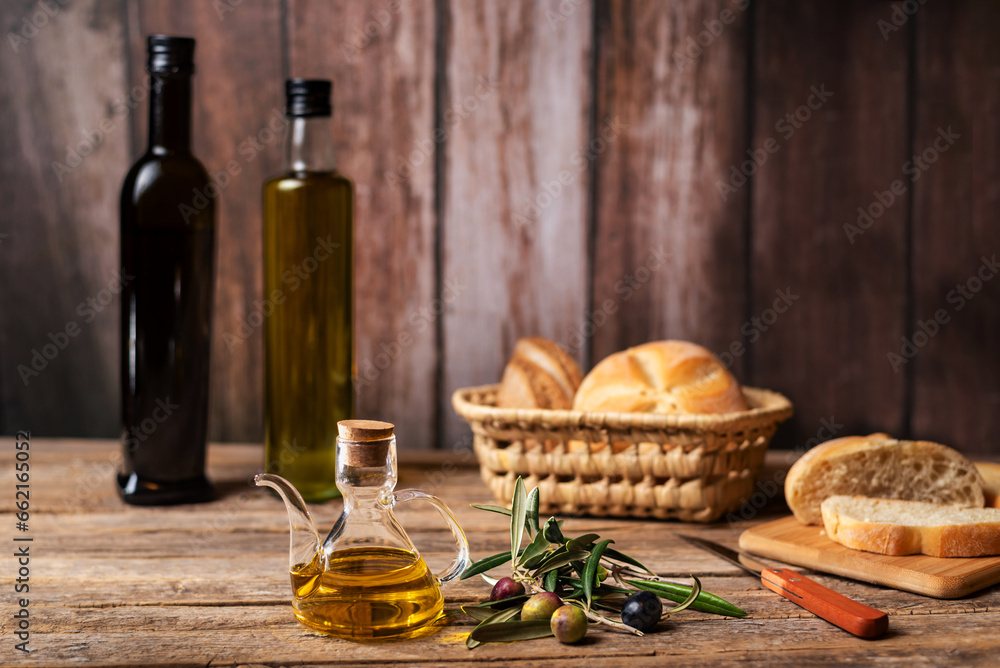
(793,543)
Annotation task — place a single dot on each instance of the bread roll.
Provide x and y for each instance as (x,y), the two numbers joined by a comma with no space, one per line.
(991,482)
(881,467)
(539,374)
(894,527)
(661,377)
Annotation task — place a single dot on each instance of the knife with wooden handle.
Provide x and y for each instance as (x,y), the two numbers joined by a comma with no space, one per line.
(835,608)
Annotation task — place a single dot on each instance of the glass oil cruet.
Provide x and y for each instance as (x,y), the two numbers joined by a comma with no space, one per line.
(366,581)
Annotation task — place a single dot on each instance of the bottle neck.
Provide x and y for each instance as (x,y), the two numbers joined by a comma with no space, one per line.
(309,147)
(366,472)
(170,113)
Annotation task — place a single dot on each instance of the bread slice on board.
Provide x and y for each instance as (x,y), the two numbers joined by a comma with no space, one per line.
(881,467)
(991,482)
(894,527)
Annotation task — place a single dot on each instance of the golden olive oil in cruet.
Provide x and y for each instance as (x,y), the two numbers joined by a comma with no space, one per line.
(366,581)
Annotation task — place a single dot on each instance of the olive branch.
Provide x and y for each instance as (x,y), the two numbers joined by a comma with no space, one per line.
(577,569)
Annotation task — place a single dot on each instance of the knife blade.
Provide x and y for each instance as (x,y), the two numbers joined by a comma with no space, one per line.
(853,617)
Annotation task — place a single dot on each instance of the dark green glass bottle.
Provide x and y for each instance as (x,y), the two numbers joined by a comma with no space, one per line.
(168,260)
(308,276)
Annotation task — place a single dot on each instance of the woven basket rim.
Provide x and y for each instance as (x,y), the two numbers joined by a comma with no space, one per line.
(768,406)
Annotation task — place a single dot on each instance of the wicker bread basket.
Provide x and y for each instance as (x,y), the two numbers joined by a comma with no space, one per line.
(690,467)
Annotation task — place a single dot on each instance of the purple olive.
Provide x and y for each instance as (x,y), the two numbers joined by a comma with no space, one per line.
(568,624)
(541,606)
(506,588)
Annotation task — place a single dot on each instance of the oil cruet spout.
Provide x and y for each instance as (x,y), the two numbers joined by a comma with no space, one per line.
(304,543)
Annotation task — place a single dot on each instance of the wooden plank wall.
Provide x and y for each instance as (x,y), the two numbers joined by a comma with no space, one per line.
(59,229)
(831,95)
(571,169)
(956,225)
(514,235)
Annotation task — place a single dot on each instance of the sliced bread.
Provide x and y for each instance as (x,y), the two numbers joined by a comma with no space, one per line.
(991,482)
(894,527)
(539,374)
(882,467)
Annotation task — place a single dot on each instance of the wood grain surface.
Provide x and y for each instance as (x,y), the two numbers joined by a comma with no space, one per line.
(514,202)
(956,239)
(113,585)
(828,350)
(65,121)
(457,119)
(381,58)
(669,252)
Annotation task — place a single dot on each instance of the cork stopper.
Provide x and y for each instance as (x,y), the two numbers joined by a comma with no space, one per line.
(364,443)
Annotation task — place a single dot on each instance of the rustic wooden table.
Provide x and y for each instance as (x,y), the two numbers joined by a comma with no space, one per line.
(112,585)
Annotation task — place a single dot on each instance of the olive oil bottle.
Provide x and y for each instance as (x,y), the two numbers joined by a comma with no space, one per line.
(308,277)
(168,257)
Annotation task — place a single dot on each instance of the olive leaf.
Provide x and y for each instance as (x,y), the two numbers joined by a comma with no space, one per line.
(518,513)
(692,597)
(502,604)
(705,602)
(510,631)
(532,515)
(534,551)
(561,559)
(553,530)
(624,558)
(590,569)
(486,564)
(492,509)
(494,619)
(551,581)
(477,613)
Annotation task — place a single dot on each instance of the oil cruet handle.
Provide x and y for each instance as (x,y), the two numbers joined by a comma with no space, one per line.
(461,561)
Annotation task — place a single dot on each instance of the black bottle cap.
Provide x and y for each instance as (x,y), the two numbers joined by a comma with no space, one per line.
(308,97)
(170,55)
